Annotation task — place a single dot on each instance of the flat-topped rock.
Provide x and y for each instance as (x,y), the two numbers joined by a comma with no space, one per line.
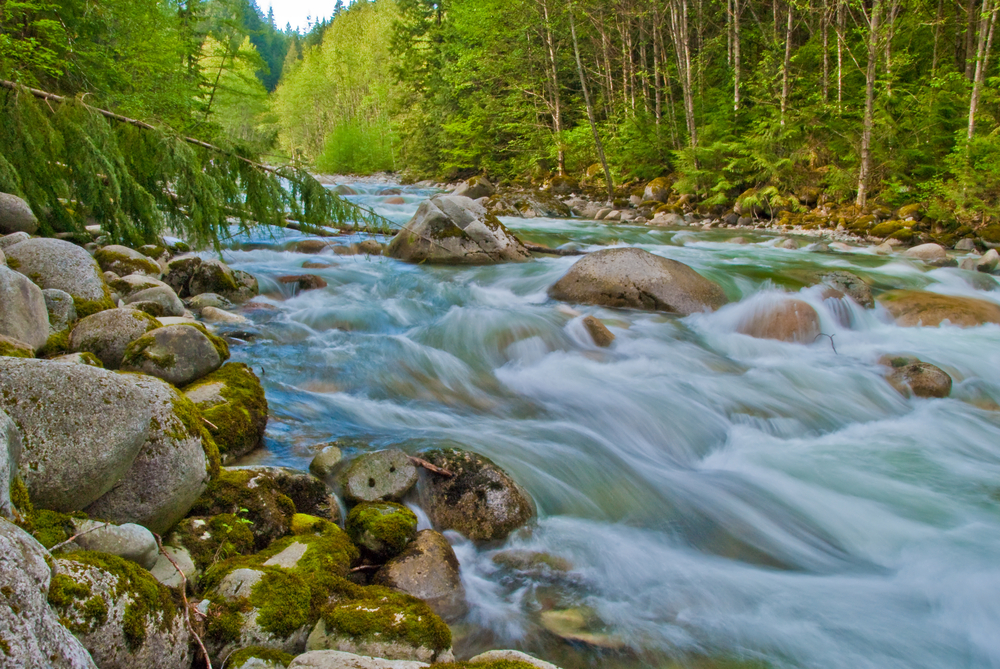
(912,308)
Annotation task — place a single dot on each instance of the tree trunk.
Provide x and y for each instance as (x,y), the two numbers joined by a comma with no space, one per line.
(988,23)
(825,30)
(554,83)
(736,55)
(590,108)
(890,31)
(937,38)
(970,36)
(840,55)
(866,133)
(682,47)
(786,65)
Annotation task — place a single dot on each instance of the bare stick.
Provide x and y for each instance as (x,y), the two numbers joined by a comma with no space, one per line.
(366,567)
(434,468)
(187,606)
(78,534)
(209,423)
(823,334)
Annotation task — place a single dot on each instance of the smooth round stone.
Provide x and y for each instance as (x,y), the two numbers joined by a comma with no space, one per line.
(382,475)
(129,541)
(326,461)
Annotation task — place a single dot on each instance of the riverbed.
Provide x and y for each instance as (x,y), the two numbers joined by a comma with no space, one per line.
(703,496)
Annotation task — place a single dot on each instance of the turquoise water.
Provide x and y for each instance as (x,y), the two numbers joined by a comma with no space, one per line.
(715,495)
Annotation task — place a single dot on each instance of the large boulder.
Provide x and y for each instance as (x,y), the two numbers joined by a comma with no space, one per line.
(107,334)
(657,190)
(479,500)
(474,188)
(163,296)
(54,263)
(16,216)
(10,458)
(62,311)
(782,319)
(913,308)
(851,286)
(33,637)
(119,612)
(133,283)
(232,401)
(337,659)
(179,354)
(927,252)
(381,475)
(428,570)
(23,315)
(452,229)
(170,471)
(13,238)
(124,261)
(383,529)
(636,279)
(82,428)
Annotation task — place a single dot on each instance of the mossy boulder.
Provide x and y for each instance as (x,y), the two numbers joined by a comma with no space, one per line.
(123,261)
(452,229)
(911,211)
(428,570)
(475,188)
(657,190)
(782,319)
(172,468)
(911,376)
(108,333)
(23,314)
(162,296)
(258,657)
(31,632)
(562,185)
(133,283)
(179,354)
(179,273)
(54,263)
(119,612)
(380,475)
(912,308)
(14,348)
(383,529)
(637,279)
(480,500)
(213,539)
(883,230)
(232,400)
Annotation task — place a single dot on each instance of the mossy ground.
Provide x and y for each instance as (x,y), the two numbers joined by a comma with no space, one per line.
(240,657)
(238,423)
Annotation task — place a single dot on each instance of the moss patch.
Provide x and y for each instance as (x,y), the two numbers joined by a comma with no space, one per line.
(56,344)
(211,540)
(86,308)
(10,348)
(268,509)
(139,351)
(303,523)
(382,527)
(241,657)
(377,613)
(238,423)
(193,425)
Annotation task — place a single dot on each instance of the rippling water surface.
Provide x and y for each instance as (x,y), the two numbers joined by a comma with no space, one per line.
(717,497)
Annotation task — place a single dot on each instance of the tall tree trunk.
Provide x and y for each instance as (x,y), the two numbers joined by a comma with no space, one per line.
(937,38)
(889,33)
(736,55)
(825,30)
(988,23)
(970,35)
(840,55)
(590,108)
(869,118)
(554,83)
(682,47)
(668,87)
(786,65)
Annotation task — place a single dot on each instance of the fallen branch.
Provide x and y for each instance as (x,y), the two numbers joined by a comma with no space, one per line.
(365,567)
(209,423)
(316,231)
(434,468)
(187,606)
(78,534)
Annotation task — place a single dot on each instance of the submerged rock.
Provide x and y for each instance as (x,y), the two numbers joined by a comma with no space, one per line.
(598,331)
(913,308)
(909,375)
(452,229)
(785,320)
(636,279)
(428,570)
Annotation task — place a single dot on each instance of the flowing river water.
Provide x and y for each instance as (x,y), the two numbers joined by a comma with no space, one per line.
(702,494)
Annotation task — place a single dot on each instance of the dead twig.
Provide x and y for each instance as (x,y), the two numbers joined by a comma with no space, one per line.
(434,468)
(365,567)
(187,606)
(209,423)
(78,534)
(823,334)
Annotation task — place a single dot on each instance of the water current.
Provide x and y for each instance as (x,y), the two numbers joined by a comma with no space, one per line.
(715,497)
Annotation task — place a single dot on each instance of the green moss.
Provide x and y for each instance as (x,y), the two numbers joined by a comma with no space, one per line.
(238,423)
(24,510)
(52,527)
(63,590)
(152,251)
(138,352)
(86,308)
(225,622)
(903,235)
(193,425)
(89,358)
(268,509)
(241,657)
(886,229)
(4,646)
(385,615)
(217,538)
(56,344)
(10,349)
(284,602)
(13,263)
(303,523)
(122,264)
(387,524)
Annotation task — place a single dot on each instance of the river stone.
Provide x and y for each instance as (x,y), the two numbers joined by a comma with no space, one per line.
(379,644)
(988,262)
(909,375)
(303,282)
(123,261)
(382,475)
(474,188)
(480,501)
(62,311)
(232,400)
(199,302)
(23,315)
(427,569)
(108,333)
(128,541)
(326,461)
(53,263)
(16,216)
(783,319)
(344,189)
(852,286)
(34,637)
(598,331)
(213,315)
(171,469)
(913,308)
(212,276)
(78,359)
(336,659)
(14,238)
(637,279)
(178,354)
(511,656)
(133,283)
(15,348)
(81,426)
(141,625)
(164,296)
(312,246)
(927,252)
(382,528)
(179,272)
(10,459)
(451,229)
(167,573)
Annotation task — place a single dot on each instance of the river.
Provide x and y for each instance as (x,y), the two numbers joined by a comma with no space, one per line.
(717,498)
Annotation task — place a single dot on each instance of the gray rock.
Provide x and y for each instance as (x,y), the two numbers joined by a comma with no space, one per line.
(34,636)
(179,273)
(141,626)
(511,656)
(382,475)
(53,263)
(132,283)
(108,333)
(246,286)
(128,541)
(166,573)
(10,347)
(966,244)
(637,279)
(988,262)
(214,315)
(852,286)
(789,244)
(13,238)
(10,459)
(62,311)
(927,252)
(199,302)
(170,471)
(212,276)
(326,461)
(161,295)
(474,188)
(178,354)
(427,569)
(344,189)
(480,501)
(3,259)
(374,646)
(667,219)
(968,264)
(336,659)
(78,359)
(82,428)
(16,215)
(309,494)
(451,229)
(123,261)
(23,315)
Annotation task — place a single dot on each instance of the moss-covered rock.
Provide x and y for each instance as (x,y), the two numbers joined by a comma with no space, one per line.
(232,400)
(119,612)
(123,261)
(12,348)
(179,354)
(382,528)
(883,230)
(213,539)
(258,657)
(107,334)
(53,263)
(657,190)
